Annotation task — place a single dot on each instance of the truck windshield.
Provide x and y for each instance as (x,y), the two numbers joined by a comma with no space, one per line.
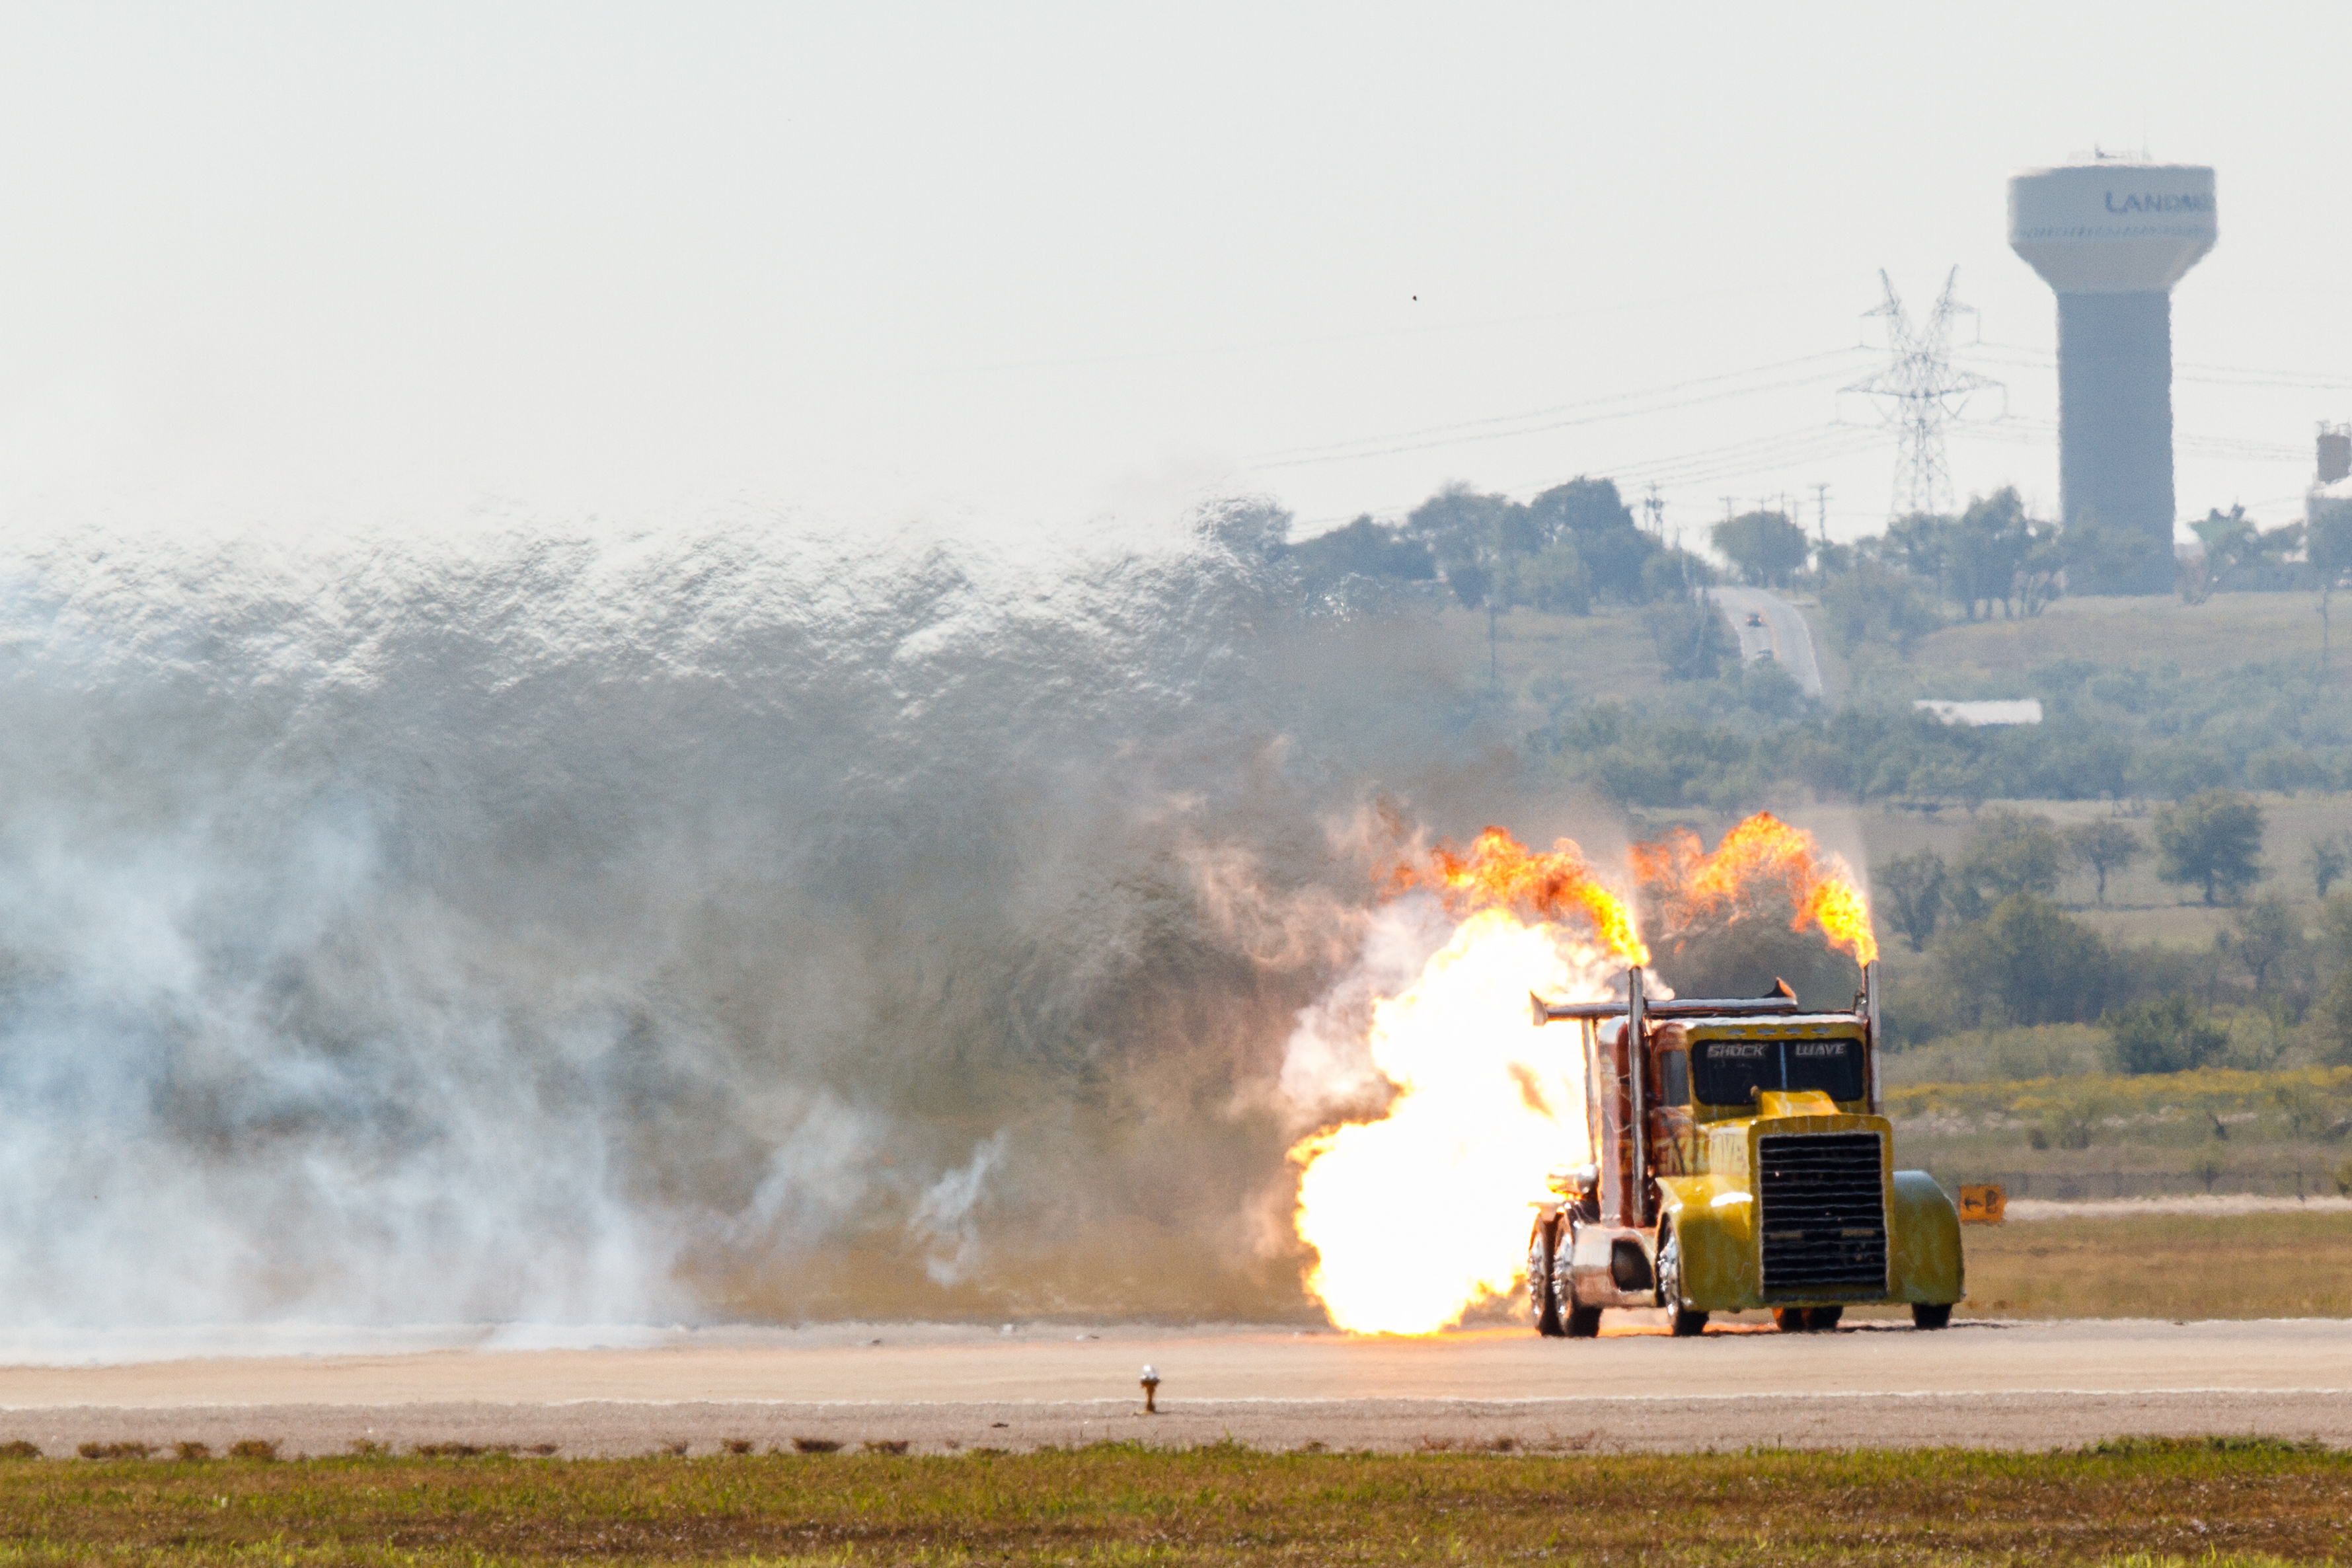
(1731,1071)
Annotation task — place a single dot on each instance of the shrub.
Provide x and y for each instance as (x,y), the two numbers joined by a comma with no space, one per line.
(2028,962)
(261,1449)
(2163,1034)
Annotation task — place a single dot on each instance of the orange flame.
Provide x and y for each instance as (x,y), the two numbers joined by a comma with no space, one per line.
(1760,851)
(1500,872)
(1419,1215)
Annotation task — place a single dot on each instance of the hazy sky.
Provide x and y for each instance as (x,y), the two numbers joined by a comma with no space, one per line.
(303,261)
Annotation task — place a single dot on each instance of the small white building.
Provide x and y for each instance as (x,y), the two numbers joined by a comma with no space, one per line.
(2022,710)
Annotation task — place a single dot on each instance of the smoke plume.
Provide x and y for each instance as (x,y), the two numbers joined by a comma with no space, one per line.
(717,923)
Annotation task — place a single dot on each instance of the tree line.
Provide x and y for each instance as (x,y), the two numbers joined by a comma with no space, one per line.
(2005,953)
(1577,543)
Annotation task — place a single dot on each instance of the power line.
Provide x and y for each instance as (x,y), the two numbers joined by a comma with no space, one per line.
(2186,370)
(2028,431)
(1606,408)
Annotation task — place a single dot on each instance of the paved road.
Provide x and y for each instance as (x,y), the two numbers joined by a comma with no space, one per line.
(1784,635)
(2008,1385)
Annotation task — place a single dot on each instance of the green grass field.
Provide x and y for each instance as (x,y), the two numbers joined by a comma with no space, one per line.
(2213,1503)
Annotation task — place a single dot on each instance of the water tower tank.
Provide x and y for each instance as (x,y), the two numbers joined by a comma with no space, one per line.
(2112,238)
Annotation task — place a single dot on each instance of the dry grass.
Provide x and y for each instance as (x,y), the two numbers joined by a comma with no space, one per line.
(2224,632)
(2163,1266)
(2209,1503)
(1542,657)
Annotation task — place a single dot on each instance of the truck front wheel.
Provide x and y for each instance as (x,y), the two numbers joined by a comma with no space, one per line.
(1686,1323)
(1931,1314)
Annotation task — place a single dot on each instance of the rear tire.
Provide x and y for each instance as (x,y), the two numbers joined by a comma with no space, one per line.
(1581,1321)
(1687,1324)
(1822,1320)
(1542,1305)
(1931,1314)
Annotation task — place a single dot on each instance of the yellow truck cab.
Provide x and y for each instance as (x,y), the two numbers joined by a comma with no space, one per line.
(1738,1160)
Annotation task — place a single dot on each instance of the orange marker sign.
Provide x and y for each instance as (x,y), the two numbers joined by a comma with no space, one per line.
(1983,1204)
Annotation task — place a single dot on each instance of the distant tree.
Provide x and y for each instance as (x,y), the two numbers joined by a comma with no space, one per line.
(1919,544)
(2103,846)
(1590,515)
(1911,890)
(1473,582)
(2213,838)
(2163,1034)
(2285,769)
(2102,558)
(2222,537)
(1554,580)
(1987,550)
(2329,859)
(2028,962)
(1692,641)
(1363,548)
(1765,547)
(2265,935)
(1878,605)
(2333,1016)
(1675,573)
(2012,851)
(2328,547)
(1473,538)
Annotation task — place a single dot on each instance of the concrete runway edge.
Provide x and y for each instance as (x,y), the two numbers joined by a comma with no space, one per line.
(954,1389)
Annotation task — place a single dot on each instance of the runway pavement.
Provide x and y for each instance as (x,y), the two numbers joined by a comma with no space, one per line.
(943,1389)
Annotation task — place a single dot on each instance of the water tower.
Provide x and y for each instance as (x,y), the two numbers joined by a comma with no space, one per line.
(2113,238)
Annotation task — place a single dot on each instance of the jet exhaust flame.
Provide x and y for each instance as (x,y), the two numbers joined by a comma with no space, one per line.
(1500,871)
(1483,1104)
(1695,887)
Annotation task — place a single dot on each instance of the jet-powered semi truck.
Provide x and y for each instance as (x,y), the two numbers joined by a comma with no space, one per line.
(1739,1161)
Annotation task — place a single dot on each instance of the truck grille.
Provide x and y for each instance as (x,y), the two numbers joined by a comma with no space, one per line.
(1823,1208)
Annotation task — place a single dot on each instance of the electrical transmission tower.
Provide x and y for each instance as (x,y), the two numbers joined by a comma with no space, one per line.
(1922,393)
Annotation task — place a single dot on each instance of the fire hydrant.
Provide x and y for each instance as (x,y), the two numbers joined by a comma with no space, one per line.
(1151,1391)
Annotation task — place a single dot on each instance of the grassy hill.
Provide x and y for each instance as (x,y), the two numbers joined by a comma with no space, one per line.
(2225,632)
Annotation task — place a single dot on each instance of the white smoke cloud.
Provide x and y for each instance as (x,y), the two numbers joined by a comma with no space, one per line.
(943,1217)
(595,928)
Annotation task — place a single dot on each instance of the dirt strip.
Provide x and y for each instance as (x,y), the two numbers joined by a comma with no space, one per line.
(2032,1421)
